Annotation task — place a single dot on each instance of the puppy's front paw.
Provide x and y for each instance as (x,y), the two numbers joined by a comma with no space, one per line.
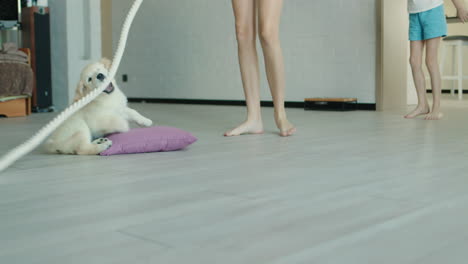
(145,122)
(103,143)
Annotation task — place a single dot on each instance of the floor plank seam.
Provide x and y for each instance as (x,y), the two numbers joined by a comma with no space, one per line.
(236,195)
(388,224)
(400,200)
(145,239)
(434,252)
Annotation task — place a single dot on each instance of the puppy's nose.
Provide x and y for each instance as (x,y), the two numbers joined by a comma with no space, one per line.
(101,77)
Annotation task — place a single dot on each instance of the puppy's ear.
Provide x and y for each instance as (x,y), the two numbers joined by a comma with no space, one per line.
(106,62)
(80,91)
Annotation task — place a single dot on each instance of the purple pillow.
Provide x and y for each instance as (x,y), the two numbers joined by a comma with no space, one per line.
(150,139)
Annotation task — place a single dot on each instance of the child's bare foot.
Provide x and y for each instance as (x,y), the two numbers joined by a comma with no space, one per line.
(286,128)
(434,115)
(248,127)
(420,110)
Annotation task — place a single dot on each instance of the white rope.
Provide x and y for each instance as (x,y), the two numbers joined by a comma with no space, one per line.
(9,158)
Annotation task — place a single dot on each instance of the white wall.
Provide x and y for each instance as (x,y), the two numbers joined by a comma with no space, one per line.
(187,49)
(75,42)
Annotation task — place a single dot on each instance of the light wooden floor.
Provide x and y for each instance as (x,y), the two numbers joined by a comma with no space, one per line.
(357,187)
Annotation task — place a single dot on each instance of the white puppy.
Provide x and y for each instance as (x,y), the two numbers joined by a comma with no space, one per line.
(82,133)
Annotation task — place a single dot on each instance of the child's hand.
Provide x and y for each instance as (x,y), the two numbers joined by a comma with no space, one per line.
(462,14)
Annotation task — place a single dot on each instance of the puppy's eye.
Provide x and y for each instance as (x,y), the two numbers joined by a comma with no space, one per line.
(90,79)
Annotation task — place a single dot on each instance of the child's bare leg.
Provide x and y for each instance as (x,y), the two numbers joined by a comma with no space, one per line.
(432,48)
(245,15)
(269,17)
(417,48)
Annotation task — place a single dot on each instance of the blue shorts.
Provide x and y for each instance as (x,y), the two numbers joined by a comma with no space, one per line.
(428,25)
